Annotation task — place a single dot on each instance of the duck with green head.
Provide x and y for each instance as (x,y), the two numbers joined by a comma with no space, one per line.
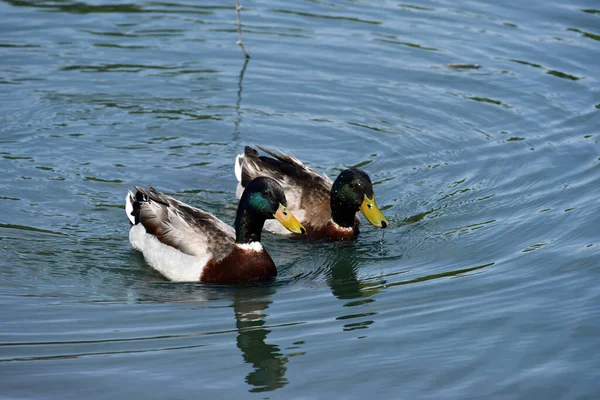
(326,209)
(184,243)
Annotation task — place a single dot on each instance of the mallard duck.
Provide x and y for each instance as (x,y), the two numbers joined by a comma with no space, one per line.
(326,209)
(184,243)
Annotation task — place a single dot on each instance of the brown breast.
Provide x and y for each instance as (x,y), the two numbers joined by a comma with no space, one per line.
(330,230)
(240,266)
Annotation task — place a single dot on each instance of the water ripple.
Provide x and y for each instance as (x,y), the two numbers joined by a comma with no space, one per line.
(476,122)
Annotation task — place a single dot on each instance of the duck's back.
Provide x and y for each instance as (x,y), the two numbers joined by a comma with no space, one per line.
(307,191)
(176,239)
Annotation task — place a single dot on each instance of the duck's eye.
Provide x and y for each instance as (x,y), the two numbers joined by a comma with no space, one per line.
(351,186)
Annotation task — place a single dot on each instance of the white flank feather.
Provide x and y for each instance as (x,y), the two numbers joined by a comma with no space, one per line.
(275,226)
(170,262)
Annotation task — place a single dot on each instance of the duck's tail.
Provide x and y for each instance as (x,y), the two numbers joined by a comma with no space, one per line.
(132,208)
(239,159)
(247,167)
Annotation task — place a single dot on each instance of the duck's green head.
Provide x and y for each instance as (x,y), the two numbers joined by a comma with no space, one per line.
(353,191)
(264,199)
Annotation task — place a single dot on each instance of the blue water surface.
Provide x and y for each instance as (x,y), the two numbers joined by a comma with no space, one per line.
(485,285)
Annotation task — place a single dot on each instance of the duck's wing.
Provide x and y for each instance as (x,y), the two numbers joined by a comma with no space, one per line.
(185,228)
(307,191)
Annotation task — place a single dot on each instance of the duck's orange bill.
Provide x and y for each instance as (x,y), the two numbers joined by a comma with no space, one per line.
(288,220)
(372,213)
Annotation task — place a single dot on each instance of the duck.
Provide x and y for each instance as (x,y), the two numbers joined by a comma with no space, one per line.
(187,244)
(327,209)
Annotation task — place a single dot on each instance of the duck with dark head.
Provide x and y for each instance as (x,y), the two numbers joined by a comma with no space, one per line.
(326,209)
(184,243)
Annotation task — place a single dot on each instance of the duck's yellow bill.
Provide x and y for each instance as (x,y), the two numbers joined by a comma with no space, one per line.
(288,220)
(372,213)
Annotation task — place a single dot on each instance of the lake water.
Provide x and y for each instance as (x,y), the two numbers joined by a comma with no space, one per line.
(485,285)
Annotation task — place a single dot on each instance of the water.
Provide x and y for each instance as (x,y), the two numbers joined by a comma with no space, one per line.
(484,285)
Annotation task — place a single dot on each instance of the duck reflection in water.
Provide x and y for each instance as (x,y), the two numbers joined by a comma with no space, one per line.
(249,305)
(345,285)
